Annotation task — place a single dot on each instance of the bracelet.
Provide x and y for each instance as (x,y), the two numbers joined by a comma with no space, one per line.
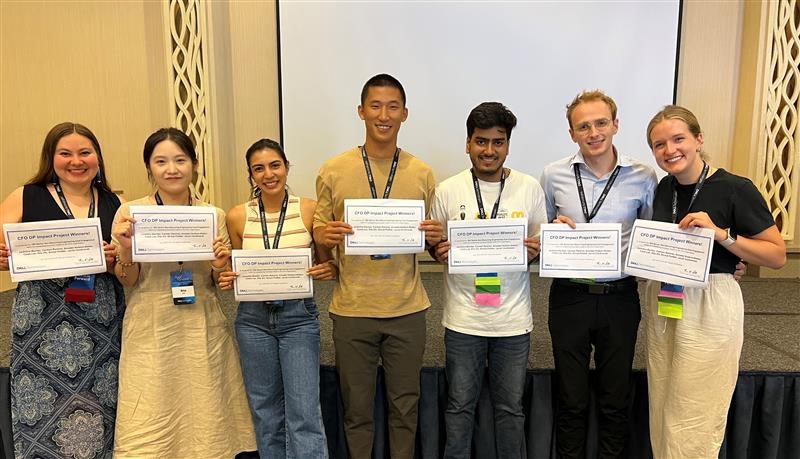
(123,265)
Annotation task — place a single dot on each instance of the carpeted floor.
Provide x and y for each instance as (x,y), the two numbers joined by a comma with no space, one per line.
(771,327)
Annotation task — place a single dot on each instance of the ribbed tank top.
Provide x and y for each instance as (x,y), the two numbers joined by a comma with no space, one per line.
(294,234)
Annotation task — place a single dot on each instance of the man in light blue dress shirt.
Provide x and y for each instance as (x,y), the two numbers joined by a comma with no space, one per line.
(597,184)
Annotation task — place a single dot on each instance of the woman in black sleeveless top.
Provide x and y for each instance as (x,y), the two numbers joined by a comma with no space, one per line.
(64,355)
(694,335)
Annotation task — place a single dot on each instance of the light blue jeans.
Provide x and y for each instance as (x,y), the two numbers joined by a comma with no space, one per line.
(279,350)
(466,358)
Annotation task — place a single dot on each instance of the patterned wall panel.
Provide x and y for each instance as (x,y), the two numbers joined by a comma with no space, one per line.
(185,24)
(778,123)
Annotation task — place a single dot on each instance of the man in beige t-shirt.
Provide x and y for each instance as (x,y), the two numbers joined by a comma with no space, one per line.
(378,306)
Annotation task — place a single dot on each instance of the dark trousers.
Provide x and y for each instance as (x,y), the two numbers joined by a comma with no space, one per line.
(398,343)
(609,322)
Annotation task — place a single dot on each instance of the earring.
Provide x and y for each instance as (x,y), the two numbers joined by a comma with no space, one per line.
(256,191)
(97,179)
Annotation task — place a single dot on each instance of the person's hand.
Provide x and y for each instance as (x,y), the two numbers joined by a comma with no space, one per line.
(532,245)
(702,220)
(333,233)
(324,271)
(123,231)
(225,280)
(741,270)
(442,252)
(110,252)
(564,219)
(221,254)
(4,254)
(434,232)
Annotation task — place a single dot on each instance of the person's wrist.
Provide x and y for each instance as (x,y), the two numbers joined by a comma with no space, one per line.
(219,269)
(124,261)
(729,239)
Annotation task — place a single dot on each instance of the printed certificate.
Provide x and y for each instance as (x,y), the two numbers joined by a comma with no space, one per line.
(493,245)
(173,233)
(267,275)
(591,250)
(384,226)
(661,251)
(57,248)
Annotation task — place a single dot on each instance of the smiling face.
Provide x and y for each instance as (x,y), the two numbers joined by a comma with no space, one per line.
(75,160)
(383,111)
(677,150)
(592,127)
(268,171)
(171,168)
(488,149)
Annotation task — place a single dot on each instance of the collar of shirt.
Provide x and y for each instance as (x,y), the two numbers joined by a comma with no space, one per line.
(622,161)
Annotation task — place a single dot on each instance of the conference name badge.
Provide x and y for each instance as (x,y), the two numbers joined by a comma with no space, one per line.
(670,301)
(182,287)
(80,290)
(487,290)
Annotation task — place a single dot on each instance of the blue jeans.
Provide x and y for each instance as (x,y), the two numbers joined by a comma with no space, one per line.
(279,350)
(465,357)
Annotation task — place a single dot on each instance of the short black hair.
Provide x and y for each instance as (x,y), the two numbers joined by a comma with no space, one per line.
(488,115)
(382,80)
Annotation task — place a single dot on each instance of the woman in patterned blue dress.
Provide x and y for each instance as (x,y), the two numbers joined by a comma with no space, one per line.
(64,354)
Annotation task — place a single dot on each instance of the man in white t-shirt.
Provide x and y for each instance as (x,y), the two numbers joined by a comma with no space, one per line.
(487,316)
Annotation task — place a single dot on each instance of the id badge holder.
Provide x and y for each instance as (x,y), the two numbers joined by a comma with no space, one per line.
(670,301)
(80,289)
(182,287)
(487,290)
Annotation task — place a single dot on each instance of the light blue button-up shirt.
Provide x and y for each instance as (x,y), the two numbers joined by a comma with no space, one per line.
(630,197)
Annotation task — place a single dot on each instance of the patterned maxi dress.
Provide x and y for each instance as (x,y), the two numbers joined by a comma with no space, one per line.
(64,356)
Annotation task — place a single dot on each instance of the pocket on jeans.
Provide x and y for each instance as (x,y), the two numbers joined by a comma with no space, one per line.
(310,307)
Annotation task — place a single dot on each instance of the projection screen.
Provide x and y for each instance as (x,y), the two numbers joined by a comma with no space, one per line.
(532,56)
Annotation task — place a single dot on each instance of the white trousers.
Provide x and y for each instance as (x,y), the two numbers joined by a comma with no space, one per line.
(692,368)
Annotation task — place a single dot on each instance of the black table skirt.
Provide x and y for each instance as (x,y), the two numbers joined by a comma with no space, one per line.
(763,422)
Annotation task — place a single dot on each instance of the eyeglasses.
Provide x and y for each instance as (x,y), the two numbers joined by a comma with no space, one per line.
(599,125)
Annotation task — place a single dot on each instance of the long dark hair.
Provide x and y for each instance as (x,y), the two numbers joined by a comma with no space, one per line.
(46,174)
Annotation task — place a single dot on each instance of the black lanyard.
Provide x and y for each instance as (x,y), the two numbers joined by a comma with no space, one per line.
(582,196)
(481,210)
(161,203)
(64,202)
(279,229)
(698,186)
(371,179)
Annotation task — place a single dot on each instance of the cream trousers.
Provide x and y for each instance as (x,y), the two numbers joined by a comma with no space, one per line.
(692,368)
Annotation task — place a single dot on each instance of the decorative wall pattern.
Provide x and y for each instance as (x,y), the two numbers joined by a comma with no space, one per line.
(778,157)
(185,24)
